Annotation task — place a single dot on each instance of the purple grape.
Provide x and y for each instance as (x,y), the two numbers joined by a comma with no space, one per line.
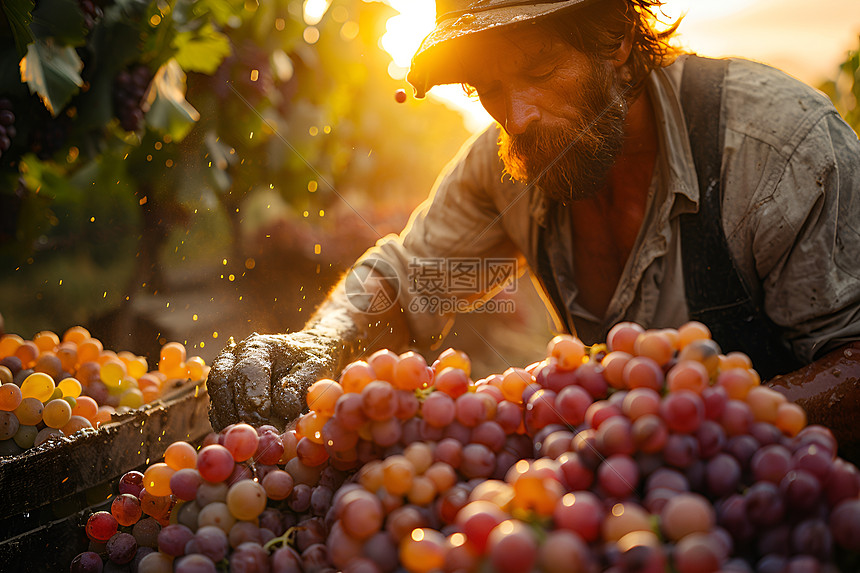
(87,562)
(249,557)
(722,475)
(764,505)
(121,548)
(845,524)
(195,564)
(212,542)
(173,538)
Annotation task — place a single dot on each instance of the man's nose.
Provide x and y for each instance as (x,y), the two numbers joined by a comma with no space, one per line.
(520,112)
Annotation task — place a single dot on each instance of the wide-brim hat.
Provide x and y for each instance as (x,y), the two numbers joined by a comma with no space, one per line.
(458,22)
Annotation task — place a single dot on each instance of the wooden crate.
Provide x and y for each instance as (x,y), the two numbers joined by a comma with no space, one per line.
(46,493)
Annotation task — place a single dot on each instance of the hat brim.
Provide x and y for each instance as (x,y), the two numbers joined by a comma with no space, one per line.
(432,63)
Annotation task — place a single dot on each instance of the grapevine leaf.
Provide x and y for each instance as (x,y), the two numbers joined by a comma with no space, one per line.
(47,179)
(169,110)
(61,20)
(223,11)
(201,51)
(53,72)
(20,16)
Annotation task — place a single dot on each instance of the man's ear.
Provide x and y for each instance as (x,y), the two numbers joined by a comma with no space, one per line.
(622,52)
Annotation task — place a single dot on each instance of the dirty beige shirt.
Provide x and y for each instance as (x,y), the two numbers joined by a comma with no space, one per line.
(791,214)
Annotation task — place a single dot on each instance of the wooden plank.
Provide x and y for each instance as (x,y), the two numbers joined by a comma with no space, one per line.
(52,473)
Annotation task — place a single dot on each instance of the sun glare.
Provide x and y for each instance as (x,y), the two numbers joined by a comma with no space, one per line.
(717,29)
(315,10)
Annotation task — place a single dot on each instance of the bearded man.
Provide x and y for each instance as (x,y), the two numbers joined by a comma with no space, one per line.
(634,182)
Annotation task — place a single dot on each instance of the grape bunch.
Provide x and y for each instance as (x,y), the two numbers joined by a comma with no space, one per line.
(130,89)
(7,125)
(52,387)
(654,452)
(92,13)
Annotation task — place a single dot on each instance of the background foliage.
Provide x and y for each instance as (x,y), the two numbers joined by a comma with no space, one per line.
(271,154)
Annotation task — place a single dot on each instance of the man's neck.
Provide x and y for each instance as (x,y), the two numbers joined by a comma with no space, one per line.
(630,177)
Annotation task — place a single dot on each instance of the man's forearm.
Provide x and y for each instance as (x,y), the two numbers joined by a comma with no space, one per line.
(356,330)
(829,391)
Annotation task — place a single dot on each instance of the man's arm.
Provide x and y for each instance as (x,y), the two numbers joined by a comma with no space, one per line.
(829,391)
(265,378)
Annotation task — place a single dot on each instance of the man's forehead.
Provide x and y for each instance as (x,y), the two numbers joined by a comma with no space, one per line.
(514,49)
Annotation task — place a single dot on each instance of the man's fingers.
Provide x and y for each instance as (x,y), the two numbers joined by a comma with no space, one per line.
(222,409)
(252,380)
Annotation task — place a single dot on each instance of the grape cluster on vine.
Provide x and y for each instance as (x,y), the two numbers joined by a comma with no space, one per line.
(7,125)
(131,85)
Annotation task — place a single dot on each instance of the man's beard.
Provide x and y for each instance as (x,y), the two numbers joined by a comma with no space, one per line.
(572,160)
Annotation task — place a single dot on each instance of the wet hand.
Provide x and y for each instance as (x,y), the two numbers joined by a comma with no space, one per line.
(264,379)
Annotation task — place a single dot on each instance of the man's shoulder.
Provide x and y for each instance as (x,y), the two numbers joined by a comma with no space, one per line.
(768,104)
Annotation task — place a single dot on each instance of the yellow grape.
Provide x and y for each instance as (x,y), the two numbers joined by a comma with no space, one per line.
(74,424)
(172,355)
(397,474)
(322,396)
(790,418)
(112,372)
(38,385)
(246,500)
(454,359)
(67,352)
(46,340)
(514,381)
(625,518)
(177,372)
(156,479)
(76,334)
(568,351)
(383,362)
(691,331)
(28,352)
(89,350)
(127,383)
(10,397)
(57,413)
(29,412)
(656,345)
(70,387)
(86,407)
(180,455)
(9,343)
(6,375)
(310,426)
(104,414)
(196,367)
(423,551)
(131,398)
(356,376)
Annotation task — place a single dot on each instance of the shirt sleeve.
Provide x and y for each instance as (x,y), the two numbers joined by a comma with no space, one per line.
(454,251)
(808,251)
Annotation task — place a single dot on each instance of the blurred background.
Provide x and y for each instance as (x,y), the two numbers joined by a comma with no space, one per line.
(192,170)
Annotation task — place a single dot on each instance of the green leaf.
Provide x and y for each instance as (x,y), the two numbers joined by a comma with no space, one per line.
(201,51)
(53,72)
(169,111)
(47,179)
(20,16)
(62,20)
(223,11)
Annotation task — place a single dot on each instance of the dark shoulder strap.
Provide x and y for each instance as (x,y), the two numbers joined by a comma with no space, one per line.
(716,293)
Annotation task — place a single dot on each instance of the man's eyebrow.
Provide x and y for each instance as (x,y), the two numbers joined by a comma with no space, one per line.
(545,55)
